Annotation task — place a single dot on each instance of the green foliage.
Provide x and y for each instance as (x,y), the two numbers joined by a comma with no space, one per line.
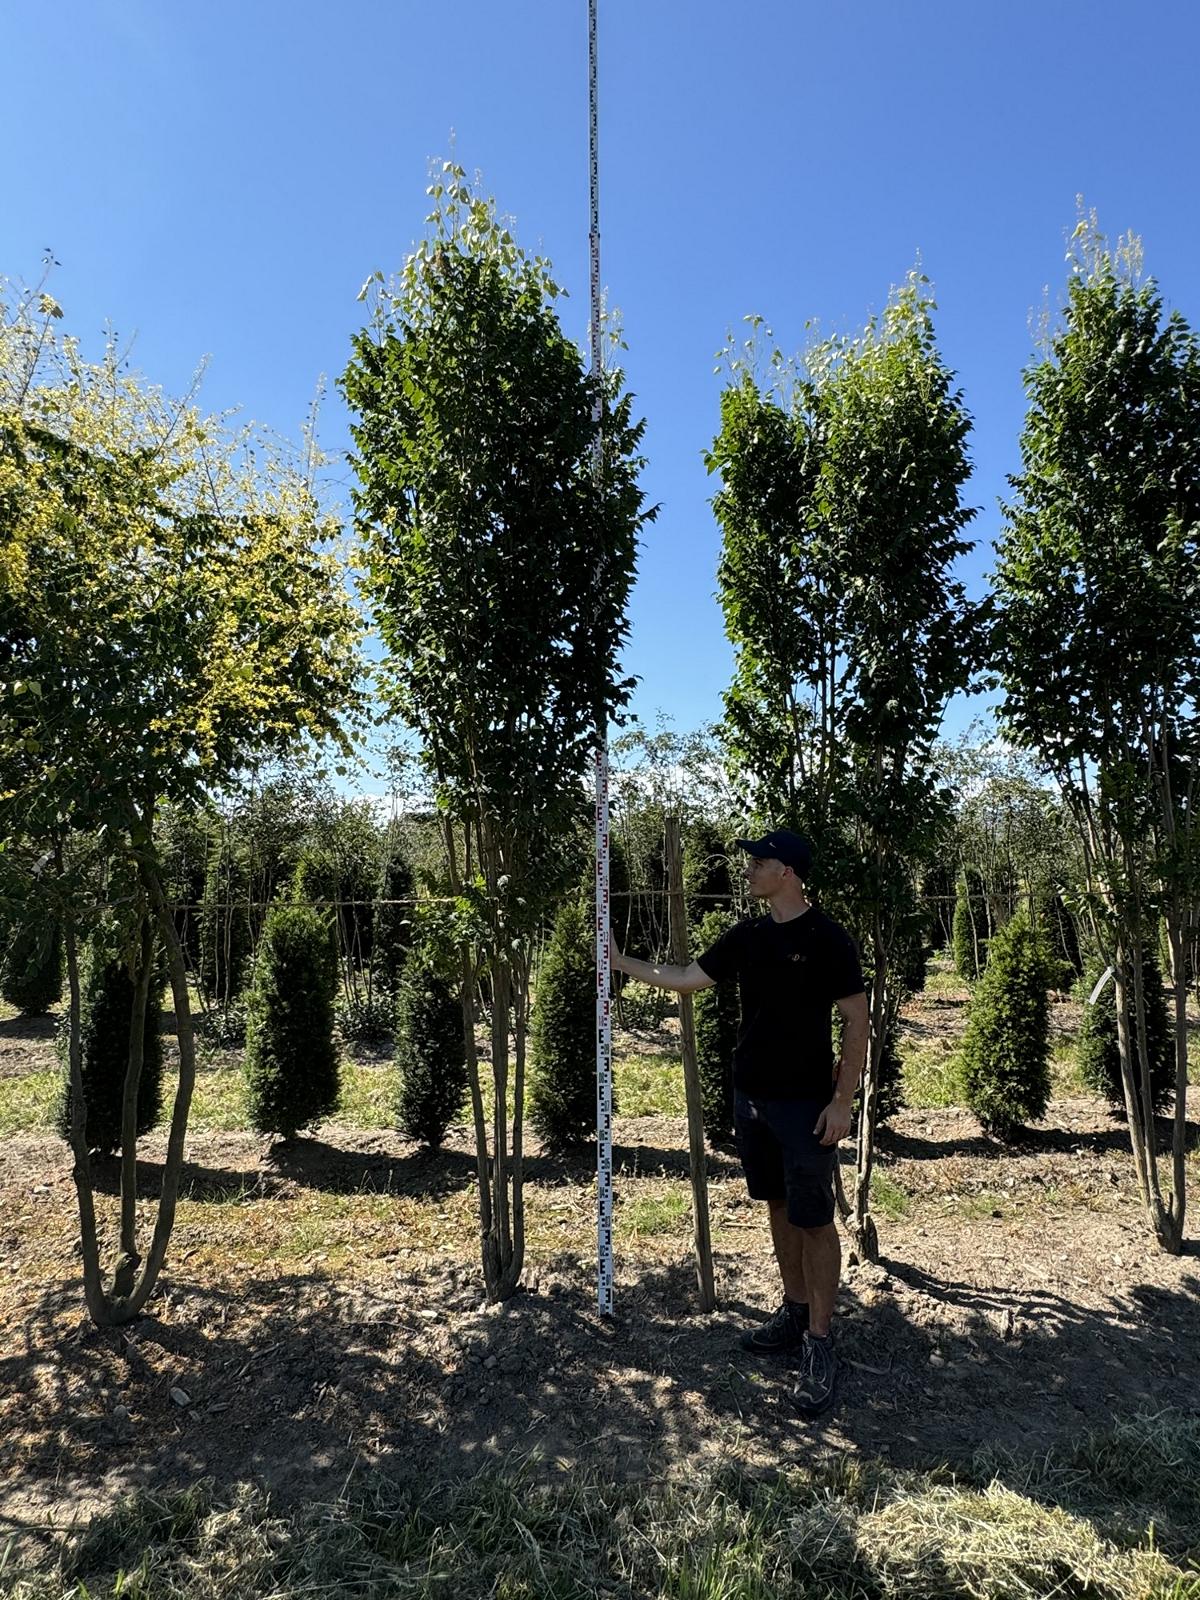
(430,1051)
(1006,1051)
(106,1009)
(498,568)
(227,932)
(1062,933)
(392,935)
(562,1080)
(718,1012)
(708,874)
(1098,629)
(1099,1058)
(970,925)
(31,962)
(842,520)
(498,565)
(291,1059)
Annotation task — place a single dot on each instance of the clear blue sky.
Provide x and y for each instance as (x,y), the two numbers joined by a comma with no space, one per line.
(220,178)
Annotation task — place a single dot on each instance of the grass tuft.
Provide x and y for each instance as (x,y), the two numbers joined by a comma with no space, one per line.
(1072,1525)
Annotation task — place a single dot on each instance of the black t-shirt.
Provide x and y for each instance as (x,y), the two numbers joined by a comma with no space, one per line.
(790,974)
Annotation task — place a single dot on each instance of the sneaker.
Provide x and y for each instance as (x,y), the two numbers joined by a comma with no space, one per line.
(784,1332)
(817,1380)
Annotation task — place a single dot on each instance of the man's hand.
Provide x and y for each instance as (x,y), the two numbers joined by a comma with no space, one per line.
(834,1122)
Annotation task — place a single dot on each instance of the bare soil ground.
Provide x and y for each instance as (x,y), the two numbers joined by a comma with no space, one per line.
(321,1308)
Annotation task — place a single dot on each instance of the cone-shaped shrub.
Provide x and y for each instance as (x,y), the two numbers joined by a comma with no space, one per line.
(291,1058)
(105,1014)
(431,1057)
(31,968)
(717,1011)
(970,926)
(1099,1059)
(562,1104)
(1006,1052)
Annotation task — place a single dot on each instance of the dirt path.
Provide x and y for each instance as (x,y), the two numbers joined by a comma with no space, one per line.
(327,1311)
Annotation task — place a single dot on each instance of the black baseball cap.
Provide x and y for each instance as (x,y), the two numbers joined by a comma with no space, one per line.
(782,845)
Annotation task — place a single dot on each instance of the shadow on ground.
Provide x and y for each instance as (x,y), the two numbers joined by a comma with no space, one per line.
(292,1381)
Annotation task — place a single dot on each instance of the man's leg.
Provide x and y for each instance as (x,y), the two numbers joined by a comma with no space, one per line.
(822,1270)
(789,1252)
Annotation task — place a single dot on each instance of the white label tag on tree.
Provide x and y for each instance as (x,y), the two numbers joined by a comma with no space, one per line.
(1099,989)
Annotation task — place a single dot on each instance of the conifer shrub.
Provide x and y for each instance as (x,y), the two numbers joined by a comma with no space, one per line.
(1006,1051)
(970,926)
(1099,1058)
(717,1011)
(105,1015)
(31,967)
(562,1080)
(431,1057)
(291,1062)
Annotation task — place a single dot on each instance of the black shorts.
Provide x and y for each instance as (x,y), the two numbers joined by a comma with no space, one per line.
(783,1158)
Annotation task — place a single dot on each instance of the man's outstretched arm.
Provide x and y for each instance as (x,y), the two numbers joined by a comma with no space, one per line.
(683,980)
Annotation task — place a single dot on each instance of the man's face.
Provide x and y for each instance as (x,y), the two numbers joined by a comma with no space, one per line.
(764,875)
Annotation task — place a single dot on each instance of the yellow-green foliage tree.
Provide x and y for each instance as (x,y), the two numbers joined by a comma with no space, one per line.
(167,619)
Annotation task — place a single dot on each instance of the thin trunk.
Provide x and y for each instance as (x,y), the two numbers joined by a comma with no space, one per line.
(129,1258)
(126,1309)
(499,1255)
(1129,1087)
(697,1154)
(81,1171)
(865,1234)
(467,998)
(512,1269)
(1178,1205)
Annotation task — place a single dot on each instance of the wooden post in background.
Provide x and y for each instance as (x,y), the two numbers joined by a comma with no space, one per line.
(691,1072)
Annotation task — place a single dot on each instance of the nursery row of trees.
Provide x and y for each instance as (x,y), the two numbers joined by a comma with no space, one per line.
(174,613)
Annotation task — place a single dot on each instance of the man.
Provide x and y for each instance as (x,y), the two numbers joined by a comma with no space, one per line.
(791,1101)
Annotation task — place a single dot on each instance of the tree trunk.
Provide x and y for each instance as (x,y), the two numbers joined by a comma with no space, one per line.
(498,1246)
(129,1258)
(128,1307)
(697,1155)
(81,1170)
(863,1228)
(1179,987)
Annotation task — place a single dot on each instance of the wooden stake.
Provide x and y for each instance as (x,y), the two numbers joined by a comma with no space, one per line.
(697,1158)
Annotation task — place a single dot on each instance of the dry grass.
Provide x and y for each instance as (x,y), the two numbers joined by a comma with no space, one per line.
(1070,1526)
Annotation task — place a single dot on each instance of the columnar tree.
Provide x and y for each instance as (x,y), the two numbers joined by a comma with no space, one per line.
(1099,1051)
(167,621)
(31,959)
(1098,641)
(110,980)
(498,568)
(1006,1051)
(842,520)
(291,1060)
(431,1058)
(717,1011)
(563,1077)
